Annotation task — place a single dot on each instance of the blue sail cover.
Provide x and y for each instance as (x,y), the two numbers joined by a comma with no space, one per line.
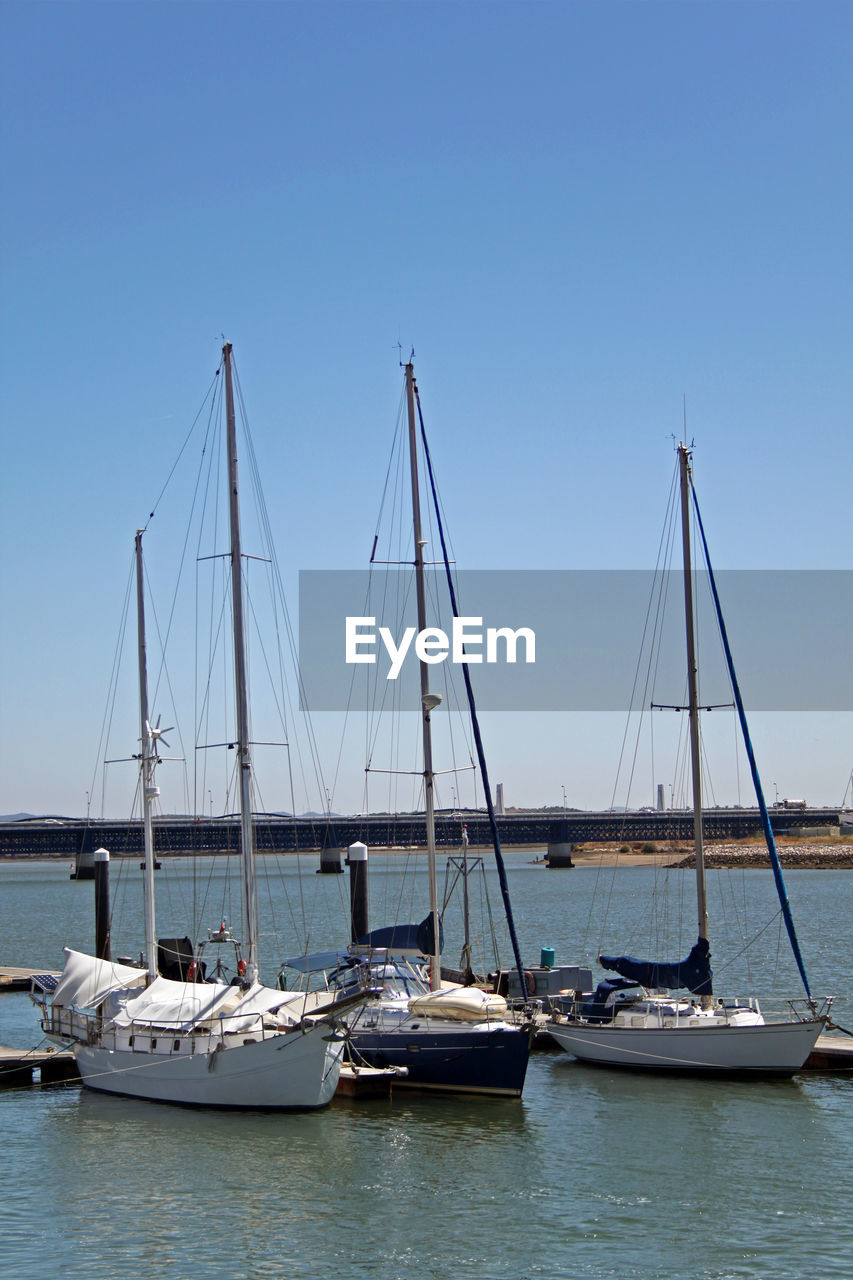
(602,1006)
(405,937)
(694,973)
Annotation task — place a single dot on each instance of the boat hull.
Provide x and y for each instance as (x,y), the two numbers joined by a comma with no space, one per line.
(449,1057)
(768,1049)
(296,1071)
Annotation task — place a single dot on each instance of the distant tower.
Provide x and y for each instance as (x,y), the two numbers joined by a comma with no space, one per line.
(661,802)
(499,800)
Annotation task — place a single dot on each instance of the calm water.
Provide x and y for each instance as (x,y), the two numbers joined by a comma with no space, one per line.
(591,1174)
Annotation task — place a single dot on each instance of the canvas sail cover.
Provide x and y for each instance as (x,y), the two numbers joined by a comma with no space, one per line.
(179,1005)
(287,1007)
(460,1004)
(419,939)
(320,961)
(183,1006)
(694,973)
(86,980)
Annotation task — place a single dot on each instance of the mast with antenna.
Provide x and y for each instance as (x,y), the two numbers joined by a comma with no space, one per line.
(250,902)
(147,765)
(693,699)
(429,701)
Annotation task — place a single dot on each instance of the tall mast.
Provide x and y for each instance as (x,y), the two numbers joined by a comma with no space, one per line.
(247,837)
(693,696)
(147,765)
(428,701)
(466,949)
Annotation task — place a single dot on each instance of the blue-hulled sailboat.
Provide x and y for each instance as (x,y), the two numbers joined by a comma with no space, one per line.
(446,1037)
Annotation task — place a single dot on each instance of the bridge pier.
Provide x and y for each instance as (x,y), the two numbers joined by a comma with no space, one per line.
(559,853)
(330,862)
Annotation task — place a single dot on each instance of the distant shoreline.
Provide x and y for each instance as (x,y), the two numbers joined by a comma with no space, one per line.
(819,855)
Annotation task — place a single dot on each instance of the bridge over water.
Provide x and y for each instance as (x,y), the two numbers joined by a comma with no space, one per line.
(72,837)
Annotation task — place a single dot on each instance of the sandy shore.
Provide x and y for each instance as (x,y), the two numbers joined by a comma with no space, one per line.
(831,855)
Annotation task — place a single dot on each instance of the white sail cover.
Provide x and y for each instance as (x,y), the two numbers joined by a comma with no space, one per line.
(259,1000)
(178,1005)
(186,1005)
(86,980)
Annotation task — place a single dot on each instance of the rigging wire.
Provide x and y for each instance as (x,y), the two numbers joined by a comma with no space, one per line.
(759,793)
(289,688)
(474,721)
(112,691)
(649,645)
(266,530)
(180,454)
(211,651)
(656,598)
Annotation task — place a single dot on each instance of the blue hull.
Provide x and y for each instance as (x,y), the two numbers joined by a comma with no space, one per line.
(458,1059)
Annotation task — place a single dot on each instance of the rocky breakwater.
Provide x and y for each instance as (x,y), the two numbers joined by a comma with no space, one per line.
(832,856)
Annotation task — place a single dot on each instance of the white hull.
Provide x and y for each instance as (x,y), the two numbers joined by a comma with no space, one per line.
(770,1048)
(296,1070)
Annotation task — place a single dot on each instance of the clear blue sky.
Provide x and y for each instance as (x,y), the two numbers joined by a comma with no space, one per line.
(576,213)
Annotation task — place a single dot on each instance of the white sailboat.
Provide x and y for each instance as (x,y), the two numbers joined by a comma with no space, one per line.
(137,1033)
(652,1029)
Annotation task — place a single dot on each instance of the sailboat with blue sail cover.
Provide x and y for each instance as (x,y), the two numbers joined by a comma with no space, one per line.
(635,1020)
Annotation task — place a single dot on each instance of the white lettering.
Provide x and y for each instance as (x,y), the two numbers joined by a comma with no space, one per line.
(511,638)
(461,637)
(354,639)
(396,654)
(432,645)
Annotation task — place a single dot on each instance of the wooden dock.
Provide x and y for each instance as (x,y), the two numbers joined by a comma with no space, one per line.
(22,1067)
(15,977)
(831,1053)
(365,1082)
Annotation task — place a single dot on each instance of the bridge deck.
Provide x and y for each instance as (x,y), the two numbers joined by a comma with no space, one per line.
(72,837)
